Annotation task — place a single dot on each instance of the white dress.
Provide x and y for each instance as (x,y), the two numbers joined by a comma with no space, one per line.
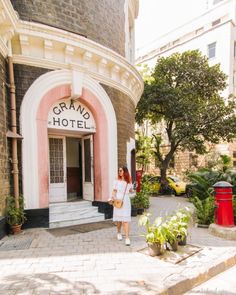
(123,213)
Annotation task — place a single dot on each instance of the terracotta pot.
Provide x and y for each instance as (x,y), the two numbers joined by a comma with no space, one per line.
(16,229)
(154,249)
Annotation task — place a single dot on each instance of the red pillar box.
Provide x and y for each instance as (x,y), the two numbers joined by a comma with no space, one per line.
(138,180)
(224,204)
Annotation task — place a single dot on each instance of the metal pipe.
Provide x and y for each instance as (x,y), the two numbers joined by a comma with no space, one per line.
(15,170)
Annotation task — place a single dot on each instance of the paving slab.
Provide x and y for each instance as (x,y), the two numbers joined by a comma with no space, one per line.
(96,263)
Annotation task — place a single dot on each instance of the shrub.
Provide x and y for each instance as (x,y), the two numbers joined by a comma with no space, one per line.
(15,215)
(205,209)
(141,200)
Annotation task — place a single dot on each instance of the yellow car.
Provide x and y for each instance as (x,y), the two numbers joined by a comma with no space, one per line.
(178,186)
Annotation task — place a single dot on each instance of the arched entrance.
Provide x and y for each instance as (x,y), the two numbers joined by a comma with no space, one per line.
(98,146)
(71,129)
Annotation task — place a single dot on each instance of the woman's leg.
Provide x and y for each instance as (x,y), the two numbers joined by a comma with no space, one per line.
(118,226)
(126,229)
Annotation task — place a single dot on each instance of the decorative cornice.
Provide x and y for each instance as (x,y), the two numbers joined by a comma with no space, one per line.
(134,7)
(8,22)
(44,46)
(3,48)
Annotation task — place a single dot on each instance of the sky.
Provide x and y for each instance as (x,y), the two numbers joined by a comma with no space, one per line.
(158,17)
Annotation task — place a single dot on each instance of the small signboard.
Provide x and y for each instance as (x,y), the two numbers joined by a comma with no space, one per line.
(71,115)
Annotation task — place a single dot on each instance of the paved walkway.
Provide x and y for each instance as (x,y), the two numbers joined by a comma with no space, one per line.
(96,263)
(222,284)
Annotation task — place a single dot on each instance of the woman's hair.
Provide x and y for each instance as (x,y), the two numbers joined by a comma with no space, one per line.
(127,177)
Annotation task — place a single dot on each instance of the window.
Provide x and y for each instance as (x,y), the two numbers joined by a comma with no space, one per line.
(199,31)
(216,2)
(56,160)
(212,50)
(163,48)
(216,22)
(176,42)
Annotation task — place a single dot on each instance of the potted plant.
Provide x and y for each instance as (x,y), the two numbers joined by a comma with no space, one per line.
(15,217)
(184,216)
(140,202)
(172,231)
(155,236)
(141,199)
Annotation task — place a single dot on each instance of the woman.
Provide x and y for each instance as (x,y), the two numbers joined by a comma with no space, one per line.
(122,216)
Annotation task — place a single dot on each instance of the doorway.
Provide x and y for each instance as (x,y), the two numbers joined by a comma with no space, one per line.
(74,169)
(71,168)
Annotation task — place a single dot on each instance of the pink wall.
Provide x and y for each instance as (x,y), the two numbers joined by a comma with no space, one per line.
(101,165)
(42,129)
(101,162)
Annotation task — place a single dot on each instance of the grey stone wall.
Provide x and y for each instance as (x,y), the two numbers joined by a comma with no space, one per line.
(24,77)
(99,20)
(4,151)
(125,113)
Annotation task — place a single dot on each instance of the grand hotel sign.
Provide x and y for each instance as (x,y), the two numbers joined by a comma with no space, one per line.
(71,115)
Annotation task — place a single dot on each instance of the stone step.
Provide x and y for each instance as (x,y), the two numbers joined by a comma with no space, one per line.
(72,208)
(73,213)
(59,207)
(58,224)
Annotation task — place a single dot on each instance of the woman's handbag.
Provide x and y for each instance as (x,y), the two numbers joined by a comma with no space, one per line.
(118,203)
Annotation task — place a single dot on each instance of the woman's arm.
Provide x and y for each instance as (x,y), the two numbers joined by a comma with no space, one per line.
(113,196)
(132,191)
(114,193)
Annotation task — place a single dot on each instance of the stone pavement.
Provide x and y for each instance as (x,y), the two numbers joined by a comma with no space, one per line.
(96,263)
(222,284)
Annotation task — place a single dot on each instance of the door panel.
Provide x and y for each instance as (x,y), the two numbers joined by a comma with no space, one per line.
(74,168)
(88,183)
(57,161)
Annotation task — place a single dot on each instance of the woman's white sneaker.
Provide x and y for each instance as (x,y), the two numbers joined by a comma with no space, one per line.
(127,242)
(119,237)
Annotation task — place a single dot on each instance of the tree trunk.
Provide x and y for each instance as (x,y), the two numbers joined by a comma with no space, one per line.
(163,173)
(164,182)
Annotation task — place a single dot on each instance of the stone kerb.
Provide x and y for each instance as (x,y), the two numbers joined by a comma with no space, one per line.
(228,233)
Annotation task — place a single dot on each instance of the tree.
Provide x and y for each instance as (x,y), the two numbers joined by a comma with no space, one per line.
(143,149)
(184,93)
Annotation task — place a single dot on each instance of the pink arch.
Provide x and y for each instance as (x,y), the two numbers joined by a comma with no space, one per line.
(101,164)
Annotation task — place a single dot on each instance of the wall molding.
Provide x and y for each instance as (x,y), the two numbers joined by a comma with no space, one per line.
(28,113)
(45,46)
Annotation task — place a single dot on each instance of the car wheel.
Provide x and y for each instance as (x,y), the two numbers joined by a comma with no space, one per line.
(173,192)
(189,193)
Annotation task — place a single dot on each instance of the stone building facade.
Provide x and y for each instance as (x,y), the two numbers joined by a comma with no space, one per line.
(76,92)
(4,149)
(212,33)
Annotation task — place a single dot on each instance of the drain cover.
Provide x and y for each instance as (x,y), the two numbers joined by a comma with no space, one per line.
(17,244)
